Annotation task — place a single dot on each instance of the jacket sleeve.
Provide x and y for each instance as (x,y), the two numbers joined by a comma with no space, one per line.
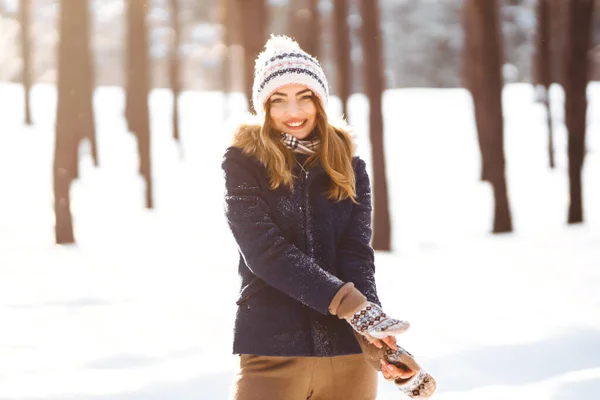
(262,245)
(356,256)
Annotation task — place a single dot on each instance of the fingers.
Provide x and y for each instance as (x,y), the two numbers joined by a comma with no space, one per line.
(392,372)
(387,373)
(387,376)
(391,342)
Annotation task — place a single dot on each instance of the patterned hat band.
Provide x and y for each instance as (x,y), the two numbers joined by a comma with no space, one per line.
(282,63)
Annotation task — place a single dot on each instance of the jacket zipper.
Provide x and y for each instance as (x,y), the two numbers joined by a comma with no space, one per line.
(305,195)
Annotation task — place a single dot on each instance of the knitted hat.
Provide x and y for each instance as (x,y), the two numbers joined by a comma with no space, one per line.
(281,63)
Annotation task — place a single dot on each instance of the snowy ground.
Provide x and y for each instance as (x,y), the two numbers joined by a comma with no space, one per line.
(142,307)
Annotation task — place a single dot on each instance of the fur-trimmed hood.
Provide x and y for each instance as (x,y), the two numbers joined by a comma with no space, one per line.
(246,137)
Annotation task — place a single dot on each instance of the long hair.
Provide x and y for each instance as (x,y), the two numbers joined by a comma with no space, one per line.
(334,154)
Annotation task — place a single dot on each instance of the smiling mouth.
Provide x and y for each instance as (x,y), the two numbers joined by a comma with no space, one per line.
(295,124)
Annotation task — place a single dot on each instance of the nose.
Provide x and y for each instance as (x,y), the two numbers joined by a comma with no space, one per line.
(293,108)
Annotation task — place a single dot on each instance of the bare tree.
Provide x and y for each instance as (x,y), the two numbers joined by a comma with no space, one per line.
(174,64)
(253,34)
(138,87)
(25,17)
(374,85)
(472,44)
(558,25)
(305,25)
(542,71)
(226,10)
(577,61)
(88,85)
(484,80)
(231,37)
(342,52)
(74,112)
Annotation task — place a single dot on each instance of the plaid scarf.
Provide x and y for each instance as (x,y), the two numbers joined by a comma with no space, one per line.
(307,146)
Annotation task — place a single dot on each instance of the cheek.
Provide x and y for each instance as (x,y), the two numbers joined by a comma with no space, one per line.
(312,115)
(276,117)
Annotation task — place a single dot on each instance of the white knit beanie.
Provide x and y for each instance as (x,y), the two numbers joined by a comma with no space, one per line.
(284,62)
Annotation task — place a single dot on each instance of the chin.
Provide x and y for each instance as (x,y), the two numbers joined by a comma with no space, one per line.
(299,135)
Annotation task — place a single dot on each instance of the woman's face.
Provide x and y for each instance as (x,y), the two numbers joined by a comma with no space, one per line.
(293,110)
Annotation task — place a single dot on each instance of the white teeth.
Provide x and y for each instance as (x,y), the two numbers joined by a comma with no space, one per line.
(295,124)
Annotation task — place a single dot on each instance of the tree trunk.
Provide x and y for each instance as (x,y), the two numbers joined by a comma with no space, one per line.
(470,74)
(88,85)
(225,60)
(174,65)
(73,110)
(138,88)
(482,43)
(577,60)
(233,21)
(558,20)
(228,19)
(305,25)
(313,42)
(25,16)
(254,36)
(371,39)
(342,52)
(129,55)
(542,64)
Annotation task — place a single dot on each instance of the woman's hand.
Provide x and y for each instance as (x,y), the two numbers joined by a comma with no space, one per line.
(390,341)
(391,372)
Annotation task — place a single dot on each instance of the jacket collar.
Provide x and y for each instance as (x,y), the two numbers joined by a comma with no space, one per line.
(246,136)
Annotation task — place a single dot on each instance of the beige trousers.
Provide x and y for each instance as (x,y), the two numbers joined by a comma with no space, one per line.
(302,378)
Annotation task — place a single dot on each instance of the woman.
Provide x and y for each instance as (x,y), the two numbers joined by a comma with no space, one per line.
(298,203)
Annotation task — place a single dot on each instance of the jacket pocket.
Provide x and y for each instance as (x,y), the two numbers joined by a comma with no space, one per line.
(250,290)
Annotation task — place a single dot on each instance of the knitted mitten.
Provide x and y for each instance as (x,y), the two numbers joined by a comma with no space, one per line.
(421,385)
(365,317)
(370,321)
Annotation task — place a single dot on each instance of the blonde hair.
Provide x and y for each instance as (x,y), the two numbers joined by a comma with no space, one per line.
(335,154)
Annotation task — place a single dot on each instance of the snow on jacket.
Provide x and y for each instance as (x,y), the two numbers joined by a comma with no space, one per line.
(297,248)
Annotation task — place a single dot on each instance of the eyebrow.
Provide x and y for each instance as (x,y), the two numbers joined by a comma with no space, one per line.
(297,94)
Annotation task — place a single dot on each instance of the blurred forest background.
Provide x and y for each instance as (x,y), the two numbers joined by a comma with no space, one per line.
(211,45)
(422,41)
(486,212)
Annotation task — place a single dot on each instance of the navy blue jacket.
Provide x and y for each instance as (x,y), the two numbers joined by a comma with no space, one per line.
(297,248)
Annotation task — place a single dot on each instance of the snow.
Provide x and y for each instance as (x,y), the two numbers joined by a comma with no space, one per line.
(142,307)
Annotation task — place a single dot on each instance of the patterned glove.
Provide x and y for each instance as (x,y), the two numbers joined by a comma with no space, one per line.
(421,385)
(370,321)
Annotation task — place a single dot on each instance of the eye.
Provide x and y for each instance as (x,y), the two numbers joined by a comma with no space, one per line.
(277,100)
(306,97)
